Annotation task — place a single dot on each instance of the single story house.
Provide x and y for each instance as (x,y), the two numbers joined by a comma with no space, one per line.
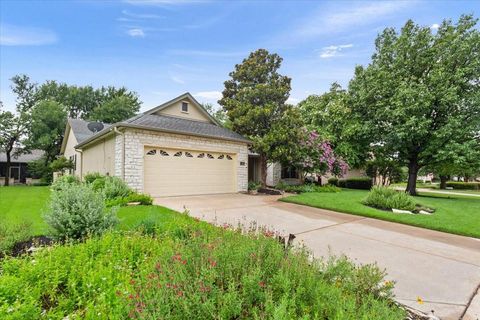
(174,149)
(18,172)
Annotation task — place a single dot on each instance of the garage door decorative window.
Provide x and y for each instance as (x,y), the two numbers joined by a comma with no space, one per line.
(209,156)
(164,153)
(228,157)
(151,152)
(201,155)
(221,156)
(188,154)
(178,154)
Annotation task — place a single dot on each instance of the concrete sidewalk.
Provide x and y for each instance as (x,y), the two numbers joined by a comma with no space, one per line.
(440,268)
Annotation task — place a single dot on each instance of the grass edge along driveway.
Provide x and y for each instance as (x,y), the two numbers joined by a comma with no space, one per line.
(457,215)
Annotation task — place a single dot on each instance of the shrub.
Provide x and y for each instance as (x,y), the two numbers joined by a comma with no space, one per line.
(11,234)
(92,176)
(356,183)
(98,184)
(114,187)
(64,182)
(386,198)
(333,181)
(144,199)
(252,185)
(76,211)
(281,185)
(464,185)
(311,188)
(216,273)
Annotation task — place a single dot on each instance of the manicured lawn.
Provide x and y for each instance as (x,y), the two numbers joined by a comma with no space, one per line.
(459,215)
(26,204)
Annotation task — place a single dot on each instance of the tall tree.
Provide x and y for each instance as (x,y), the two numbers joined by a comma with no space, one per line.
(219,114)
(329,114)
(255,99)
(14,126)
(420,93)
(47,127)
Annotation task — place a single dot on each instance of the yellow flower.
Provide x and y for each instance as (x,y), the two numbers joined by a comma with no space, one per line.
(419,300)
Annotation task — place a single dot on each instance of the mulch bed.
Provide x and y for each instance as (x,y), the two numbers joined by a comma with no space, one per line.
(24,247)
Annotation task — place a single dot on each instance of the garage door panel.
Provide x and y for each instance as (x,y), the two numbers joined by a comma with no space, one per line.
(187,173)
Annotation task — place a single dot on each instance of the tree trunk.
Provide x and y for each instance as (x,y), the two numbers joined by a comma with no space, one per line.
(412,177)
(7,168)
(443,182)
(263,169)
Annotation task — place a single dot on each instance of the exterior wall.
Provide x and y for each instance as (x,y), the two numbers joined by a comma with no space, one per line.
(176,110)
(136,140)
(70,151)
(99,157)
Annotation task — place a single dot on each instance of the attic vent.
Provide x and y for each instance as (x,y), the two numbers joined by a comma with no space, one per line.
(95,126)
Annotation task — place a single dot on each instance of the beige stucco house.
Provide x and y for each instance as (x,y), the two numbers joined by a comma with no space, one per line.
(177,148)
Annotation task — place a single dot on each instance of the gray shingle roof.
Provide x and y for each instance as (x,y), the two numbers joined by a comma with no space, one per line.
(185,126)
(23,158)
(80,129)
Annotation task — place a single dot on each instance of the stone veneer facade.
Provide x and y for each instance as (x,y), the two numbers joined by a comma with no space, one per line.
(132,142)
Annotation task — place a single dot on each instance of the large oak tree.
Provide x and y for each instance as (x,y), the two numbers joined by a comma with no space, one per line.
(420,94)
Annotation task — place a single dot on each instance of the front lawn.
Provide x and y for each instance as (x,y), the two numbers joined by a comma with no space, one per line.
(458,215)
(19,204)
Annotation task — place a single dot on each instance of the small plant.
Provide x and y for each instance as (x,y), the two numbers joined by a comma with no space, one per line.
(77,211)
(64,182)
(386,199)
(143,199)
(114,187)
(281,185)
(92,176)
(253,186)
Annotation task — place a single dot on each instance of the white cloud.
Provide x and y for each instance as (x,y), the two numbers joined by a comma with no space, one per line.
(332,51)
(177,79)
(335,20)
(208,95)
(11,35)
(136,33)
(141,15)
(434,27)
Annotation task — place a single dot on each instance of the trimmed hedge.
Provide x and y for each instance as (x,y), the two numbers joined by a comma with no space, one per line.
(333,181)
(464,185)
(356,183)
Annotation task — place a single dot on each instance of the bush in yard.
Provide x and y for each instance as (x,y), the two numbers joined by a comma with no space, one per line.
(92,176)
(309,187)
(64,182)
(203,272)
(386,199)
(356,183)
(143,199)
(77,211)
(115,187)
(333,181)
(464,185)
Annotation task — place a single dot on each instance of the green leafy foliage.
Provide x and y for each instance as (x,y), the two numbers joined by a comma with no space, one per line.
(386,198)
(356,183)
(252,185)
(92,176)
(61,164)
(114,187)
(77,211)
(187,269)
(464,185)
(143,199)
(306,188)
(65,181)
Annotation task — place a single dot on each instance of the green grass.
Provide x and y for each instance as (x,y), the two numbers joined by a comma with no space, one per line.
(458,215)
(20,204)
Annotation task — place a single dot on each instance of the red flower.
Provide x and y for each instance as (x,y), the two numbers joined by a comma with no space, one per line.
(262,284)
(180,293)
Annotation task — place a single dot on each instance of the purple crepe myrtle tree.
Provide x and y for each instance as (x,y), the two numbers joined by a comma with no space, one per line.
(318,157)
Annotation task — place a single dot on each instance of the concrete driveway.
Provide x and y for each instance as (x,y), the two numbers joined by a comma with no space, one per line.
(440,268)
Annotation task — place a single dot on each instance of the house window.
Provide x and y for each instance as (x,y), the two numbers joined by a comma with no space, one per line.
(289,173)
(73,159)
(184,106)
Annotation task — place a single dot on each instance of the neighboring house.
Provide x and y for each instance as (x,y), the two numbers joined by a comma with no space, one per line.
(175,149)
(18,172)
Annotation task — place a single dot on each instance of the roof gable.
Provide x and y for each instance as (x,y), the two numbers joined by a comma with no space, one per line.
(173,108)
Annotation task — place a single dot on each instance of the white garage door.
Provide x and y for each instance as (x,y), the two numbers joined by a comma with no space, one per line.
(173,172)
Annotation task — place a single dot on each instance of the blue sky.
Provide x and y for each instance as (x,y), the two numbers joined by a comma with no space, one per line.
(162,48)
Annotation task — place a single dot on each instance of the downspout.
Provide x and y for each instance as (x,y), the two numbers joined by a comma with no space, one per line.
(122,162)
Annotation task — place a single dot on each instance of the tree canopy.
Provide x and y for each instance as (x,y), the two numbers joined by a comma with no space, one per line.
(419,96)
